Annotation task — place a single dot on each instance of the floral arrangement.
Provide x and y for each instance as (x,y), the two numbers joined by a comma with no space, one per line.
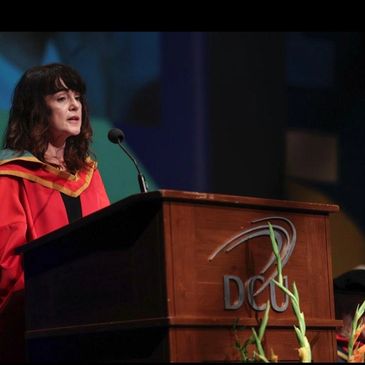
(355,352)
(304,350)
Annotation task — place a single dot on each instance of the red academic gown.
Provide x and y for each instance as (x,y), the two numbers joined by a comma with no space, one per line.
(31,206)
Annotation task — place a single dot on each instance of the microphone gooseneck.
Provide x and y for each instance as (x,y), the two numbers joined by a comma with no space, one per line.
(116,135)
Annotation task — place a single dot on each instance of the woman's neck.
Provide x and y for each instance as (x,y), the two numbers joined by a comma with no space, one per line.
(55,155)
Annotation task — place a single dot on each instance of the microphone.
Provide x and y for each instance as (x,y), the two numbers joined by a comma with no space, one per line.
(116,135)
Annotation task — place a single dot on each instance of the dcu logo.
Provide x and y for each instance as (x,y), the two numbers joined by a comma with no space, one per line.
(286,236)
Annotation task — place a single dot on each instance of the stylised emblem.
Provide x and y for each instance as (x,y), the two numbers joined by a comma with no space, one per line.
(286,242)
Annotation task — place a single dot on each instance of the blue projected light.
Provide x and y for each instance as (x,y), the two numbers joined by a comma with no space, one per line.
(9,76)
(51,54)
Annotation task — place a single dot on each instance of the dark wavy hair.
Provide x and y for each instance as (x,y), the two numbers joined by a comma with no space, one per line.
(28,125)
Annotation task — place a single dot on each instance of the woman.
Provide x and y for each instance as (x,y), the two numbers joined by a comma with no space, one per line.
(47,178)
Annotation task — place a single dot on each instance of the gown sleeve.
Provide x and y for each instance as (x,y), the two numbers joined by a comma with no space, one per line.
(13,233)
(102,194)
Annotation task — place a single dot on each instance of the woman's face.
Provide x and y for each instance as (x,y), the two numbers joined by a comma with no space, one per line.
(66,115)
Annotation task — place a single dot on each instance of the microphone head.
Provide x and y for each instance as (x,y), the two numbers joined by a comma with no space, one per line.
(116,135)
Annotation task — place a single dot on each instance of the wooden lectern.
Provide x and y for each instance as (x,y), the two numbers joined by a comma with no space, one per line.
(164,275)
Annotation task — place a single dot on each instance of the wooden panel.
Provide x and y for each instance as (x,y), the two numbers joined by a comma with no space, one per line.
(217,344)
(197,230)
(108,271)
(244,201)
(198,282)
(108,346)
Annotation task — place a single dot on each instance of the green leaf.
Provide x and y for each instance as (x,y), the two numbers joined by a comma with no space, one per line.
(264,321)
(259,346)
(276,253)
